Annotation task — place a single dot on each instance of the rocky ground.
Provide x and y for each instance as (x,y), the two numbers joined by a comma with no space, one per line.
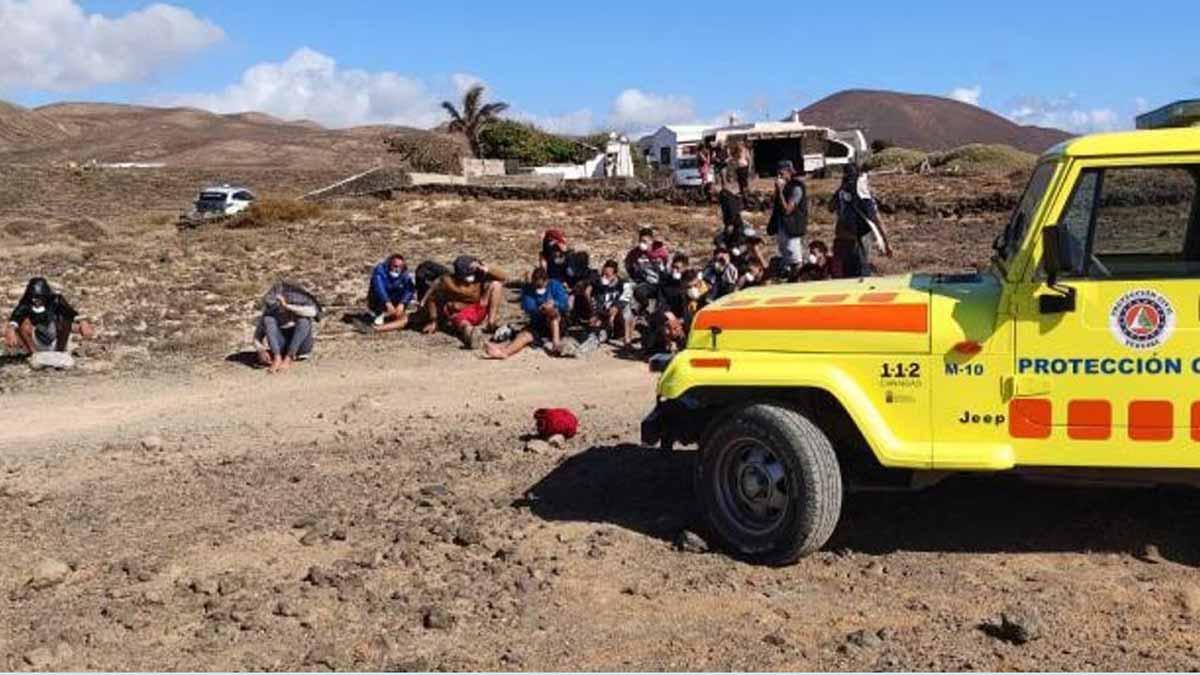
(380,507)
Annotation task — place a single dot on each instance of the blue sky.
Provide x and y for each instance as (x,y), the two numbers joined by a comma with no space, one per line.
(578,66)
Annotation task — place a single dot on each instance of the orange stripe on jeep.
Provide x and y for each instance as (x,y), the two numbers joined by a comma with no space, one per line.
(878,297)
(867,318)
(829,299)
(1029,418)
(1196,421)
(786,300)
(1089,420)
(1151,420)
(740,303)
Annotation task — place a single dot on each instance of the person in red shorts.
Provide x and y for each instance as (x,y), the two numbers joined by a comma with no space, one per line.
(466,302)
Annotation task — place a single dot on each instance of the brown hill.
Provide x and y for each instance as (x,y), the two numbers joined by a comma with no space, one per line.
(20,126)
(186,137)
(925,122)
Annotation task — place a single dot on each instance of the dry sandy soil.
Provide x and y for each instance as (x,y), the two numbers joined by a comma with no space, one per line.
(168,507)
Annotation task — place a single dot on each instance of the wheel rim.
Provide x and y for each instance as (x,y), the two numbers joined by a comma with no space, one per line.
(752,487)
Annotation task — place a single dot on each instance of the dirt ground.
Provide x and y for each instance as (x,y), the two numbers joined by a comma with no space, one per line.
(168,507)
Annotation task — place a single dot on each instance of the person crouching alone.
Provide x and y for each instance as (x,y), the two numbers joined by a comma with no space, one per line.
(286,329)
(545,301)
(43,321)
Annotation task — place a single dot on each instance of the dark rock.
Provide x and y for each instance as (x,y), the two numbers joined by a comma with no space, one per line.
(690,542)
(1020,624)
(775,640)
(438,618)
(863,639)
(487,455)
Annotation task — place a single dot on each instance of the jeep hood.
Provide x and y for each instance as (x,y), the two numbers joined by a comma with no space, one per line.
(887,315)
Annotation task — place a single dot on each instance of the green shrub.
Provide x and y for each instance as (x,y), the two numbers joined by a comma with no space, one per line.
(982,158)
(896,158)
(530,146)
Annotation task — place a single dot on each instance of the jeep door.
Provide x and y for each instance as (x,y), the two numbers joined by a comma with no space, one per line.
(1113,381)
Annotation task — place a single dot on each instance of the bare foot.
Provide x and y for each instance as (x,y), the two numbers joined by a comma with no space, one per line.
(285,364)
(492,350)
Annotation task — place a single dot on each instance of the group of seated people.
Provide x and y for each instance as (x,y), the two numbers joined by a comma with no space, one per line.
(652,302)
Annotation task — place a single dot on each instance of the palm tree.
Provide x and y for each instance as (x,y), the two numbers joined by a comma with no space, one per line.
(473,116)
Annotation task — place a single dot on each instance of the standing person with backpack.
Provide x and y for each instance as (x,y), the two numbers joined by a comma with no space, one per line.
(789,215)
(858,226)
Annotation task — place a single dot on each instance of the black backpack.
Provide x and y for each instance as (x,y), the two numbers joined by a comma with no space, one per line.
(427,275)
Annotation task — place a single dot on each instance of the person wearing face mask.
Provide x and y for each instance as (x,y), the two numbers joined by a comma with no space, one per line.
(646,267)
(721,275)
(605,297)
(43,321)
(391,291)
(466,301)
(789,215)
(678,302)
(755,275)
(817,265)
(544,301)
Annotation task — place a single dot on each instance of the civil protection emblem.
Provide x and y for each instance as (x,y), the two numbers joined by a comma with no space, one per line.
(1142,319)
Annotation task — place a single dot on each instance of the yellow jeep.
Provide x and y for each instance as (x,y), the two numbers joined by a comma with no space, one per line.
(1078,349)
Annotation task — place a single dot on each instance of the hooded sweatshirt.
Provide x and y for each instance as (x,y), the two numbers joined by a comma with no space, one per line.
(532,301)
(400,291)
(304,305)
(56,307)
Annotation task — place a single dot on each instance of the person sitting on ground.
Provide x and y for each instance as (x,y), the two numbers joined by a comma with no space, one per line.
(466,301)
(391,292)
(544,301)
(285,331)
(607,304)
(720,275)
(755,275)
(817,265)
(646,268)
(678,301)
(43,321)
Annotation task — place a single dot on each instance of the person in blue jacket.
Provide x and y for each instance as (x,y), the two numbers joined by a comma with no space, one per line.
(545,302)
(392,291)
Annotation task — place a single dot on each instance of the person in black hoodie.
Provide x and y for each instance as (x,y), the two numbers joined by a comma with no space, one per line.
(43,320)
(678,301)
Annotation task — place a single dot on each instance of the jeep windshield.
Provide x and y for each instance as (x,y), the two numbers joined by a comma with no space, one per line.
(1008,242)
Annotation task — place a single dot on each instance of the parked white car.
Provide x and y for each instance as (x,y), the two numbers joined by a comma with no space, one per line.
(224,200)
(686,173)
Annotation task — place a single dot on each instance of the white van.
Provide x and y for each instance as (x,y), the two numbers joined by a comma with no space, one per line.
(223,201)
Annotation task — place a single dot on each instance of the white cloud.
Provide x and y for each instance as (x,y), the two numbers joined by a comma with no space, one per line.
(636,109)
(311,85)
(1141,105)
(1064,113)
(969,95)
(54,45)
(464,81)
(577,123)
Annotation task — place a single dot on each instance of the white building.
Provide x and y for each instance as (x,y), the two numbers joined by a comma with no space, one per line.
(671,143)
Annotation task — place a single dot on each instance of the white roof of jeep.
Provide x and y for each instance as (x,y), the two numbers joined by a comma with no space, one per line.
(226,189)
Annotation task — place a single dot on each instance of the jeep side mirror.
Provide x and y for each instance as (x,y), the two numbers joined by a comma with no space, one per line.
(1054,247)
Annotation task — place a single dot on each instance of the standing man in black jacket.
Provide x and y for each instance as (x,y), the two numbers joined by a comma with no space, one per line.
(789,215)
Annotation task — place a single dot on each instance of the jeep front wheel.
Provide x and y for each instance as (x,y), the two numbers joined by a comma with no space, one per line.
(769,483)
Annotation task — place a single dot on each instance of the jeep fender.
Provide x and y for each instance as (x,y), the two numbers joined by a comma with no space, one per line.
(699,377)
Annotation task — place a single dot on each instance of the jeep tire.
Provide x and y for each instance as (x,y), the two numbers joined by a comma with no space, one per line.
(769,484)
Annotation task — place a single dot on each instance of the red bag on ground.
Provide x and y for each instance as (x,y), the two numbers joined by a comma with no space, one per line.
(555,421)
